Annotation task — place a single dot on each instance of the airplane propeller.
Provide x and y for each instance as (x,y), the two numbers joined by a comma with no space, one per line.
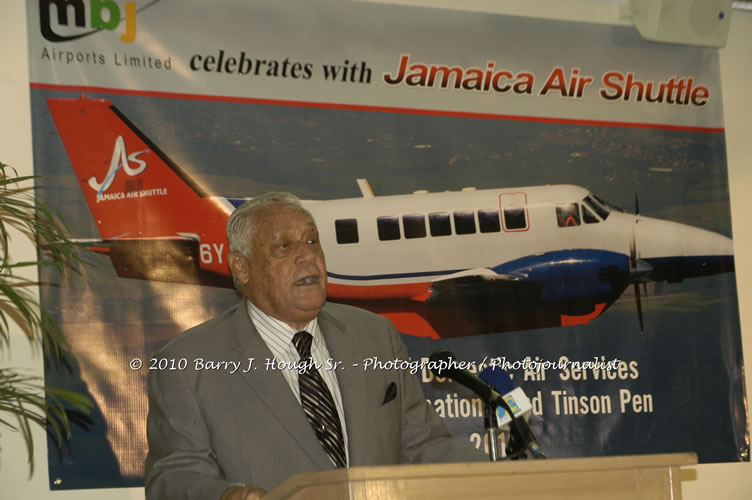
(638,269)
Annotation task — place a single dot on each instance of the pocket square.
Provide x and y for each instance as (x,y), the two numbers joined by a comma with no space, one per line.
(391,393)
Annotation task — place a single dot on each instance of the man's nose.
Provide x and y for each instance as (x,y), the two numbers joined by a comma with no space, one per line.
(304,252)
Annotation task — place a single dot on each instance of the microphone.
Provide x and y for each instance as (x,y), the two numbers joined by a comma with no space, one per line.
(516,398)
(444,364)
(518,405)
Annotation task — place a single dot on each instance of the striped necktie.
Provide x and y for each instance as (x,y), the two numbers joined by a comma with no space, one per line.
(318,404)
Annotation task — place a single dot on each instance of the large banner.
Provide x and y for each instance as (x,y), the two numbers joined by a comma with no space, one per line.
(546,197)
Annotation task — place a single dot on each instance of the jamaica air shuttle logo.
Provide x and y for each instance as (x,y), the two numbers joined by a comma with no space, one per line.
(64,20)
(121,160)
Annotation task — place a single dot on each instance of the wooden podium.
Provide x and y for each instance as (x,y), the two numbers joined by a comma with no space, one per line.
(629,477)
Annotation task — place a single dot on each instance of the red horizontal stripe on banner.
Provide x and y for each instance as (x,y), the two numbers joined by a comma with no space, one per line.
(378,109)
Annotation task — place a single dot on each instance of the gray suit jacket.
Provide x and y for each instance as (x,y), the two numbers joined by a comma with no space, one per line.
(210,428)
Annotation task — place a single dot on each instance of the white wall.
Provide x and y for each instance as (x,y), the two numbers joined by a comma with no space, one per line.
(727,481)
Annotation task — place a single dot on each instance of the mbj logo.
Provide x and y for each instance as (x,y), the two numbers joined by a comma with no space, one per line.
(120,159)
(103,15)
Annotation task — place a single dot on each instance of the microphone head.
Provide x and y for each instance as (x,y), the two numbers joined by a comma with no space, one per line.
(498,378)
(441,362)
(442,355)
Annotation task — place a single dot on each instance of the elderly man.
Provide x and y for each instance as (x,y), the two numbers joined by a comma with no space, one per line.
(233,431)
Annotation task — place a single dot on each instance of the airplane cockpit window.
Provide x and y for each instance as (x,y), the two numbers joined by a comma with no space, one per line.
(415,226)
(488,221)
(602,208)
(568,215)
(439,224)
(464,222)
(388,227)
(587,215)
(347,230)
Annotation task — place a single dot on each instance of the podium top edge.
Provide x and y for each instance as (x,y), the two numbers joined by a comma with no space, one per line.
(483,470)
(522,466)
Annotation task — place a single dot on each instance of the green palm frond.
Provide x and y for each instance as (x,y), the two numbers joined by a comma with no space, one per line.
(24,399)
(43,226)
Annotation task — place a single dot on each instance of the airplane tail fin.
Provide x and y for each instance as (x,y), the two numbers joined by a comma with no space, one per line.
(134,191)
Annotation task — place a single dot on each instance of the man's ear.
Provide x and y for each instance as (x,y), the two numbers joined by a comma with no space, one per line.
(239,266)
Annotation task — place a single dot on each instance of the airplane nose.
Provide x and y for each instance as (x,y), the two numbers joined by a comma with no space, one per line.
(658,238)
(678,251)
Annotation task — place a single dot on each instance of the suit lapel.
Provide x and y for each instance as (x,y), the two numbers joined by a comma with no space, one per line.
(272,388)
(352,382)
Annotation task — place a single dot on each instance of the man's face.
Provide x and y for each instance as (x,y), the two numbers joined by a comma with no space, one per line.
(286,274)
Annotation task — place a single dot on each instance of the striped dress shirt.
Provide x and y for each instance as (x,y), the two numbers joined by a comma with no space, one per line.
(278,337)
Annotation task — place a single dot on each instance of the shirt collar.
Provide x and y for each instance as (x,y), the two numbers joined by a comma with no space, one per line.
(264,323)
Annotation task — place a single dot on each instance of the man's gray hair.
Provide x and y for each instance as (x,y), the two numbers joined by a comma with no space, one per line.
(241,224)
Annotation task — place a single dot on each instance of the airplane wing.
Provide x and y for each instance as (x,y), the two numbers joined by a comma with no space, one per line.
(482,287)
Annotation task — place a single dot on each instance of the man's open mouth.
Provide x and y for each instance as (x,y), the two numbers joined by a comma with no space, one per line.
(308,280)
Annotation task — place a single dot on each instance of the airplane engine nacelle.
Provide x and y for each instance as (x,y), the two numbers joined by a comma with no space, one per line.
(576,280)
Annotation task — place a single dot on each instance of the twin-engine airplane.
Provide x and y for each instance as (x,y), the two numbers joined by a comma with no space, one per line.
(437,264)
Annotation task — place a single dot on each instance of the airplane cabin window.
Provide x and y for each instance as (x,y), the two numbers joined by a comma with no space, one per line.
(464,222)
(568,215)
(415,226)
(488,221)
(388,227)
(347,230)
(439,224)
(588,216)
(514,219)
